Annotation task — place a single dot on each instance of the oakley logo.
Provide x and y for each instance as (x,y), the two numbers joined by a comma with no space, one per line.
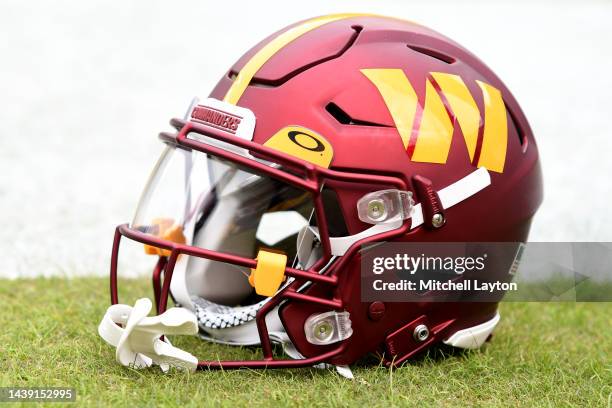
(427,137)
(306,141)
(302,143)
(216,118)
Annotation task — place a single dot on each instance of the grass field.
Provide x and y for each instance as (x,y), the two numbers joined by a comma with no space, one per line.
(556,354)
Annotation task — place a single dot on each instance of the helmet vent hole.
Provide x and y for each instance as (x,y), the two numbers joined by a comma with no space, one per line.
(344,118)
(338,114)
(433,54)
(517,126)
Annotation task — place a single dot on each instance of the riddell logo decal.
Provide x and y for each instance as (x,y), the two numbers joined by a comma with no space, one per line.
(216,118)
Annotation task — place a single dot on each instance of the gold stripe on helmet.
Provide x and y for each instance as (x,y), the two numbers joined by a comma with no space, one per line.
(247,72)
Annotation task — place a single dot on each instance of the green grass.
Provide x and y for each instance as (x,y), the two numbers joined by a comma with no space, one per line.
(543,354)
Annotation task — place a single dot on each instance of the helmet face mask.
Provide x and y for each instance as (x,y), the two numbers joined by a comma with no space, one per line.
(231,175)
(259,208)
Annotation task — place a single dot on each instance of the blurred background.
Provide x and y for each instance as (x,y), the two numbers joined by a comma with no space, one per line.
(85,86)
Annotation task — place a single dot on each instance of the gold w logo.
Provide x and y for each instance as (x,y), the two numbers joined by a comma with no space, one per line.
(429,139)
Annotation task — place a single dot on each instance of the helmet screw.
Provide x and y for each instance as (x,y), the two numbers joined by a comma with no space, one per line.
(437,220)
(323,330)
(421,333)
(376,311)
(376,209)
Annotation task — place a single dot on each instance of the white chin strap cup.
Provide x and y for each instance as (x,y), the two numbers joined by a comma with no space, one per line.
(139,342)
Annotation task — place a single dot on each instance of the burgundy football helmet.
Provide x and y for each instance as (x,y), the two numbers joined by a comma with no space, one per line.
(331,134)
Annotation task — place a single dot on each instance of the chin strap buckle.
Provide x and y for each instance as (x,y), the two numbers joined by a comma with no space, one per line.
(139,342)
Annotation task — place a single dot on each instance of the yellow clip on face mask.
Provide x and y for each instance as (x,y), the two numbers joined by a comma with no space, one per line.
(167,230)
(269,274)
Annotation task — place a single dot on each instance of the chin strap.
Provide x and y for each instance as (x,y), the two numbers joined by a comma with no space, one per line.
(139,342)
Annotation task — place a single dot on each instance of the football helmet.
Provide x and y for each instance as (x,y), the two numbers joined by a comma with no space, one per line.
(332,134)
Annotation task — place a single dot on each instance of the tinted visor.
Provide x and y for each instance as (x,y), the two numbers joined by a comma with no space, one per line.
(201,200)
